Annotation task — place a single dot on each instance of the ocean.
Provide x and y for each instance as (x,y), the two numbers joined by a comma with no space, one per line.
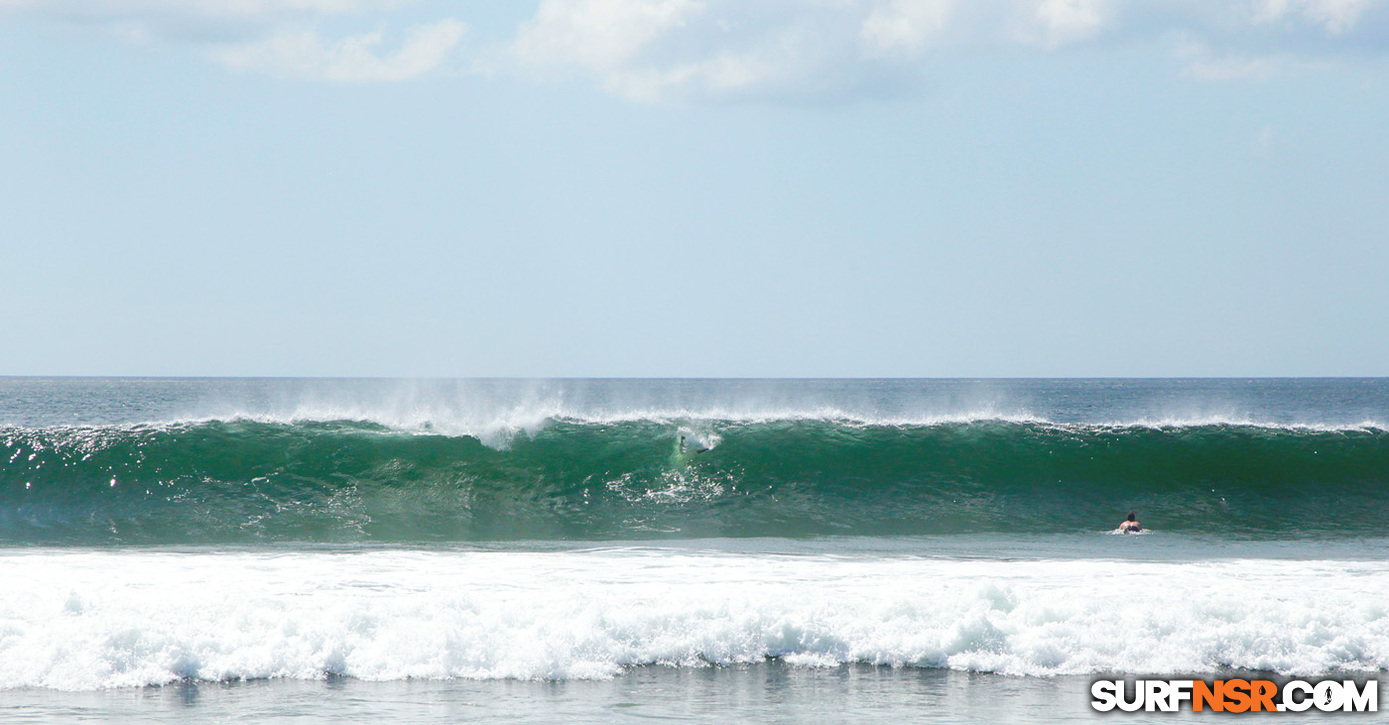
(612,550)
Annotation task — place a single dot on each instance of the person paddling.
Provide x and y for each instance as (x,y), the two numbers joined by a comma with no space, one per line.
(1130,525)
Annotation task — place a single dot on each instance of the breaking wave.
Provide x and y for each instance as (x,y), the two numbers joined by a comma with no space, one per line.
(228,481)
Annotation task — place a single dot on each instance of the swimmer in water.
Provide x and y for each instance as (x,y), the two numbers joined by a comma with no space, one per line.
(1130,525)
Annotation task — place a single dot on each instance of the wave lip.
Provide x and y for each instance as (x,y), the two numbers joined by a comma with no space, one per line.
(498,429)
(84,620)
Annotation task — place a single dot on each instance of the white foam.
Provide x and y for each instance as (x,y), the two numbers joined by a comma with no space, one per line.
(531,420)
(1242,422)
(95,619)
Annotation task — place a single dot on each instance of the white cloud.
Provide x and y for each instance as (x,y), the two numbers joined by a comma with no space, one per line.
(783,66)
(681,49)
(659,50)
(277,37)
(598,34)
(1068,21)
(210,8)
(905,24)
(357,58)
(1335,16)
(728,49)
(721,49)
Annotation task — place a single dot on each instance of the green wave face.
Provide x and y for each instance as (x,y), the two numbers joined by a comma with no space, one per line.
(240,481)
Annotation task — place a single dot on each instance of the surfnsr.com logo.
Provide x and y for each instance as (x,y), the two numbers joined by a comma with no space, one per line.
(1235,696)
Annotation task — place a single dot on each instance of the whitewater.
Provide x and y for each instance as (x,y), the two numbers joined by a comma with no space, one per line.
(89,619)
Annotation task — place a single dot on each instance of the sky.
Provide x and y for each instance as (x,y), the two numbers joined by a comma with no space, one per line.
(701,188)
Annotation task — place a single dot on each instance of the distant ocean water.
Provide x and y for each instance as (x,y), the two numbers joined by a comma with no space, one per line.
(195,533)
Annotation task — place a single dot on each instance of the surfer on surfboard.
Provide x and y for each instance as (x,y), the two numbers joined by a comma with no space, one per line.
(1130,525)
(696,447)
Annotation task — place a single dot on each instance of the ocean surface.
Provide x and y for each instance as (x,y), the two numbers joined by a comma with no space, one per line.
(611,550)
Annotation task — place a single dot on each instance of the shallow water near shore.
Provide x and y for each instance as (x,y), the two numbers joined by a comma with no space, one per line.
(764,692)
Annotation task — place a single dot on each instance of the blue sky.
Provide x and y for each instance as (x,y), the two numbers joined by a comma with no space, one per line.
(694,187)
